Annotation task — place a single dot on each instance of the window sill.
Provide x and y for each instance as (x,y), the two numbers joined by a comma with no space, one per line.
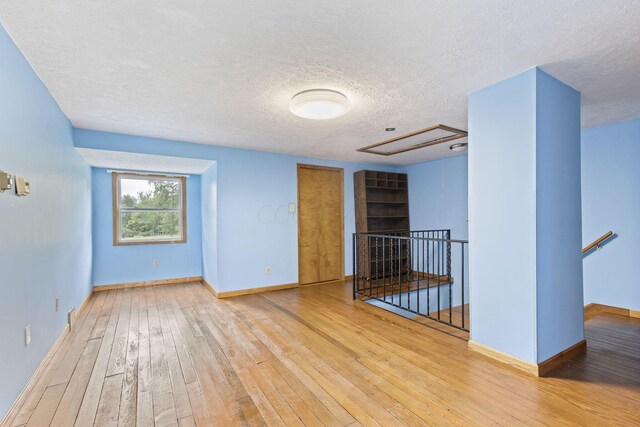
(150,242)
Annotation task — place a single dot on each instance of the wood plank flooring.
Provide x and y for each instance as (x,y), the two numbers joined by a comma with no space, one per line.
(175,356)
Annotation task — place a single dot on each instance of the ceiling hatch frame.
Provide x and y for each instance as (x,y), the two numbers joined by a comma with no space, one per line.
(457,134)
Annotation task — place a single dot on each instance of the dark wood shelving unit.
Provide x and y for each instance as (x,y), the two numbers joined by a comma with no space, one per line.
(382,207)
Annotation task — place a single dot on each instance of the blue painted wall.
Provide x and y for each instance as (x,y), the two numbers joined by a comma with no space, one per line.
(611,201)
(134,263)
(254,228)
(502,144)
(438,195)
(45,238)
(559,299)
(209,187)
(438,199)
(525,216)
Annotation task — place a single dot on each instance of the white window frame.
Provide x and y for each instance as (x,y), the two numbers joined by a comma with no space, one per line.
(117,209)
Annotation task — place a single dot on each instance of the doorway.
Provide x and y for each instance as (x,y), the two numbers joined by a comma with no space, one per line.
(320,224)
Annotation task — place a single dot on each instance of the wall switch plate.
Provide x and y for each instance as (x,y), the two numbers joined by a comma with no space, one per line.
(27,335)
(292,208)
(57,304)
(155,263)
(5,181)
(267,270)
(23,187)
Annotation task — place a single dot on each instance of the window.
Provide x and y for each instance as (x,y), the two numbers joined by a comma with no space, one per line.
(148,209)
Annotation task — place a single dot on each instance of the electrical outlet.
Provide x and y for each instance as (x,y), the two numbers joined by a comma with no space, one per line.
(23,187)
(57,304)
(71,317)
(27,335)
(155,263)
(267,270)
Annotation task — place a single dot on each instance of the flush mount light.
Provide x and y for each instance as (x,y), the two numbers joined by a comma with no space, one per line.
(389,129)
(319,104)
(458,147)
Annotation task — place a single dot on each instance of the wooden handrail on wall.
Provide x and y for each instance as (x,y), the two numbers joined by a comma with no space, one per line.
(597,242)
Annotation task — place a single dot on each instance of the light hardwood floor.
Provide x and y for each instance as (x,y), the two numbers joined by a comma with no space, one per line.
(174,355)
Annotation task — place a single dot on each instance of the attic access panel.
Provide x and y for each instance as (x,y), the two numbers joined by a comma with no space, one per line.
(412,141)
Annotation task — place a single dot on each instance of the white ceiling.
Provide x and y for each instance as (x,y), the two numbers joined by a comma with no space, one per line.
(222,72)
(143,162)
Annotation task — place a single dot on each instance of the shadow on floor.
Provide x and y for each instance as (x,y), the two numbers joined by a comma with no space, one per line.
(612,357)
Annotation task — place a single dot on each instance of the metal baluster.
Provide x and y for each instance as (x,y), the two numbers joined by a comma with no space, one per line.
(396,269)
(418,273)
(462,304)
(377,276)
(392,264)
(449,275)
(355,258)
(401,250)
(439,273)
(429,251)
(384,275)
(389,265)
(409,253)
(399,272)
(393,269)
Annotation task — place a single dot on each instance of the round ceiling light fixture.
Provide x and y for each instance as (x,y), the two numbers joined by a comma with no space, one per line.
(461,146)
(319,104)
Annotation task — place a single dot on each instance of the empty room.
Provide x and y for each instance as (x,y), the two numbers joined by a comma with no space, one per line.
(319,213)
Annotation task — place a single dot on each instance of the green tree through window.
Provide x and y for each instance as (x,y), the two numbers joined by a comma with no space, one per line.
(150,209)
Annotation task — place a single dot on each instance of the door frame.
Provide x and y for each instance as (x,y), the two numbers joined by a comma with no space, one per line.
(341,172)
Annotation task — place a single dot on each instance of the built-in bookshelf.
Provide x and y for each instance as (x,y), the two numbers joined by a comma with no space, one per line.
(382,207)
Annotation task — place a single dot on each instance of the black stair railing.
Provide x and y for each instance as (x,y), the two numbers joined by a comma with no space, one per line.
(422,272)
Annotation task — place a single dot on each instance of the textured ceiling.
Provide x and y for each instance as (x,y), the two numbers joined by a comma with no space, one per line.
(222,72)
(143,162)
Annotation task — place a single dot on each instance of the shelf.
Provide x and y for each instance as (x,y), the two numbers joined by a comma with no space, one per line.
(382,209)
(382,202)
(386,188)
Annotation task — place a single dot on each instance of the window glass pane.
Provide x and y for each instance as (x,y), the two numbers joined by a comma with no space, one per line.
(149,193)
(150,225)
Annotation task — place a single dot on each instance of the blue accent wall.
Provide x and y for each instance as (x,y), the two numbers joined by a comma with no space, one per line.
(502,182)
(209,215)
(253,226)
(525,216)
(611,201)
(134,263)
(438,195)
(559,298)
(45,238)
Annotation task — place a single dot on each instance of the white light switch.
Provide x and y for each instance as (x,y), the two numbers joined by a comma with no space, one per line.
(292,208)
(27,335)
(5,181)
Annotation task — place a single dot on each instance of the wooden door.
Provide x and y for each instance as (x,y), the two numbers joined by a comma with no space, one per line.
(320,224)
